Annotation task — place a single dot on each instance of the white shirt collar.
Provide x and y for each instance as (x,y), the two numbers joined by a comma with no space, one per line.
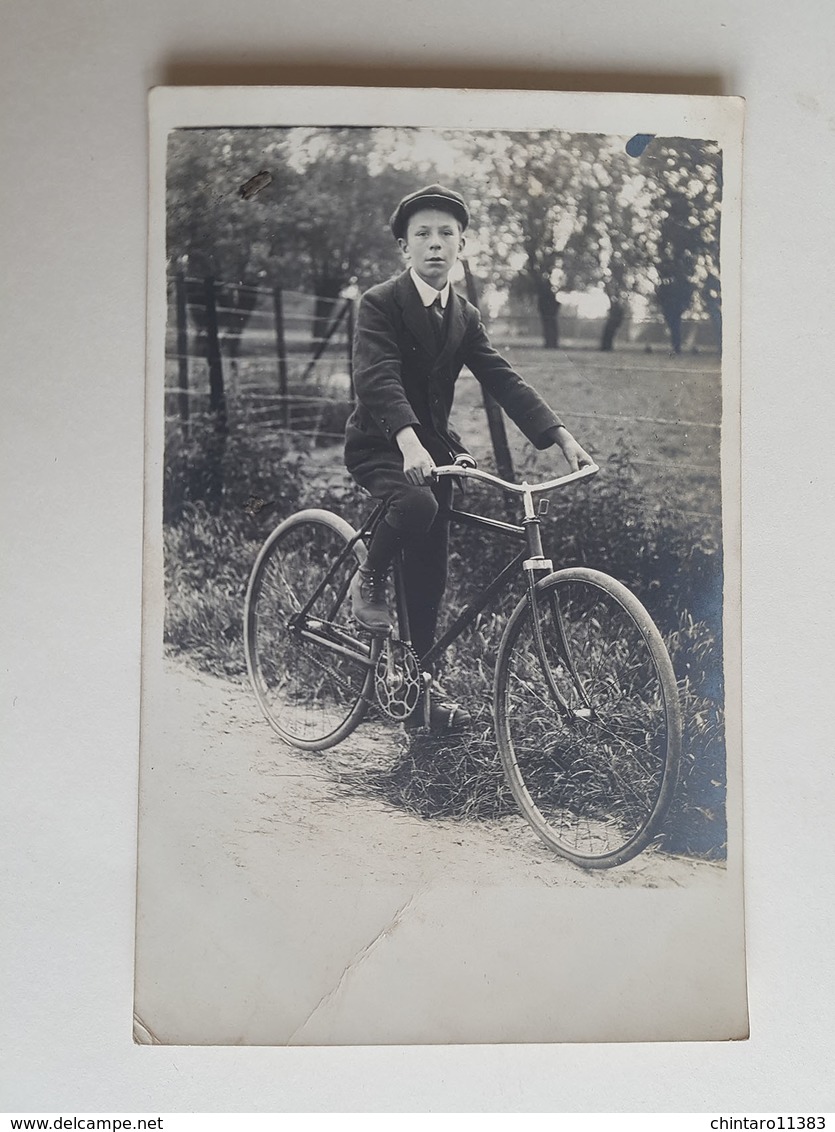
(427,293)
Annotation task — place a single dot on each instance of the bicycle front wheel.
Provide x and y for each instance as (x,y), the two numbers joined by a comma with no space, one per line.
(587,718)
(311,670)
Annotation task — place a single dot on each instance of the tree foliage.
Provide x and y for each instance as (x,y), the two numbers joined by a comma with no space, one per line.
(578,213)
(552,212)
(212,229)
(686,180)
(320,224)
(530,189)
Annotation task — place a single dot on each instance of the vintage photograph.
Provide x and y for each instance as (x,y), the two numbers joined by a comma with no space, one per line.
(440,720)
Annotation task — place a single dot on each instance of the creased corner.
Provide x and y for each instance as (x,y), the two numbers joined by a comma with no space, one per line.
(143,1035)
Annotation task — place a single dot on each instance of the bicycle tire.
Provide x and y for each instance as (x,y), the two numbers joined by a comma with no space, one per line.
(312,695)
(595,776)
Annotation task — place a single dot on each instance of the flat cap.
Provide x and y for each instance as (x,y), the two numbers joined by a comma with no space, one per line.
(431,196)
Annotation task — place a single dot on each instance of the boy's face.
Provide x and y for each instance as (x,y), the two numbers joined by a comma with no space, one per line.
(432,244)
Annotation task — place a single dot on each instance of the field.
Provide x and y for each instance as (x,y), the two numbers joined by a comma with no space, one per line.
(663,410)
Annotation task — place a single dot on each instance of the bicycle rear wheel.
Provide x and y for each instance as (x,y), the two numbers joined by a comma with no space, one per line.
(311,670)
(589,735)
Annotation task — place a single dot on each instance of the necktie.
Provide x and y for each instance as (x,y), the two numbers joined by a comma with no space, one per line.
(436,313)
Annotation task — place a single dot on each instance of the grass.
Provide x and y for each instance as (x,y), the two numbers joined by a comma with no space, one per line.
(651,519)
(610,402)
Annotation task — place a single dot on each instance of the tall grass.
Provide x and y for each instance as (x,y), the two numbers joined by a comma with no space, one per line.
(611,524)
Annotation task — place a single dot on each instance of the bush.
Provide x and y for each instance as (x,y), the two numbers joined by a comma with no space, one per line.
(210,543)
(697,822)
(223,475)
(611,524)
(210,548)
(208,559)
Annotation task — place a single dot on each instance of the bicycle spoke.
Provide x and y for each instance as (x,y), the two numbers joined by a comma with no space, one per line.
(311,691)
(593,780)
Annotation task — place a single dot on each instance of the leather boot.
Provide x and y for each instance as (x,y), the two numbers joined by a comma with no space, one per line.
(368,601)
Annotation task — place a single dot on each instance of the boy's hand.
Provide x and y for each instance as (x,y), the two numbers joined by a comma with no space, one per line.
(576,456)
(417,463)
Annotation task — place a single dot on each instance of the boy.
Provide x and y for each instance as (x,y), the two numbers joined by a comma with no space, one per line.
(413,335)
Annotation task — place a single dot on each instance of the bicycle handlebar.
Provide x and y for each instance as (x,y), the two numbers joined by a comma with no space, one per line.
(514,488)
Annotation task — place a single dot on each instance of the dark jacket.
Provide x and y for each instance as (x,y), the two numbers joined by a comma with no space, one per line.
(401,379)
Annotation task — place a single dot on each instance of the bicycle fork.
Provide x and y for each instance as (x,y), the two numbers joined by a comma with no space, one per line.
(538,564)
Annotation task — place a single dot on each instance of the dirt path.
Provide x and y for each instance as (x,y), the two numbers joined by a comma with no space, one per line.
(269,893)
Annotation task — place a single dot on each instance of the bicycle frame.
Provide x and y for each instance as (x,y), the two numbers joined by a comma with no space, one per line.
(531,558)
(533,562)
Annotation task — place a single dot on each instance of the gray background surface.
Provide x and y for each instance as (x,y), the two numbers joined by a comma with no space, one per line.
(74,79)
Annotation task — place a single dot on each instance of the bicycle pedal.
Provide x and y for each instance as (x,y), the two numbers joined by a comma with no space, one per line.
(425,706)
(382,634)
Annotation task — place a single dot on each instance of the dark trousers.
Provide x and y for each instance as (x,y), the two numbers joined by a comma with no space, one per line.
(418,516)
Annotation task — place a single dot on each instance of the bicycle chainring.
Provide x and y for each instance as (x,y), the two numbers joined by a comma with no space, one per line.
(397,680)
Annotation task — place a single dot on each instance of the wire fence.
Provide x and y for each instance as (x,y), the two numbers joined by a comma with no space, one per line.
(269,361)
(263,358)
(273,359)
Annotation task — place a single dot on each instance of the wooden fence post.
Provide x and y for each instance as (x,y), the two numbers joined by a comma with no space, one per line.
(182,351)
(495,420)
(217,400)
(349,330)
(322,344)
(281,351)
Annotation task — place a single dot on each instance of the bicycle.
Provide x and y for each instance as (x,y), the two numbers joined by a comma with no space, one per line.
(585,704)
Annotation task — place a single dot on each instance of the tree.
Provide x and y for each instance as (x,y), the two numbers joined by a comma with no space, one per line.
(686,189)
(529,186)
(334,213)
(623,238)
(610,247)
(649,227)
(319,224)
(552,210)
(568,212)
(212,228)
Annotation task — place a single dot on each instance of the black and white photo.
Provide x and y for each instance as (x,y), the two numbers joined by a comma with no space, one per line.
(441,708)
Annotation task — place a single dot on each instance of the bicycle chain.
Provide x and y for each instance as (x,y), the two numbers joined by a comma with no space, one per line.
(371,701)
